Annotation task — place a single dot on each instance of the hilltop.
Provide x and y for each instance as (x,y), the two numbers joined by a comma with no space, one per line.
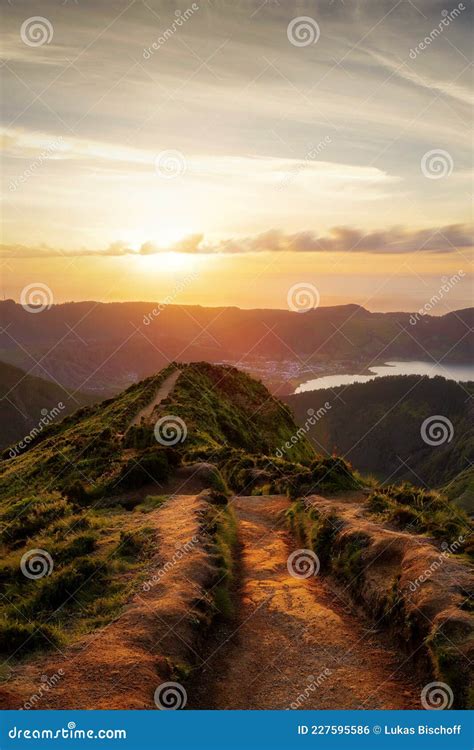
(138,534)
(225,413)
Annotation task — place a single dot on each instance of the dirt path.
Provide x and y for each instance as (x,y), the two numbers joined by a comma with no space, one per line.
(120,665)
(163,391)
(296,642)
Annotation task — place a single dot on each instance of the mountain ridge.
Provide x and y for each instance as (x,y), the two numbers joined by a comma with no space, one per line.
(105,347)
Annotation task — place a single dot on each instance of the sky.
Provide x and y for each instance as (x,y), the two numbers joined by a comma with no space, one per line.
(223,152)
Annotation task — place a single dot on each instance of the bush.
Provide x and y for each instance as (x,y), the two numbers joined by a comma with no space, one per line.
(151,466)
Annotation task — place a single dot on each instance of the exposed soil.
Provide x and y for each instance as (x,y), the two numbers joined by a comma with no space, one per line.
(163,392)
(119,666)
(297,644)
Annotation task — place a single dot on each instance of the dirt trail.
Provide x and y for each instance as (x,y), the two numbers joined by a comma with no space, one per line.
(163,391)
(294,633)
(120,665)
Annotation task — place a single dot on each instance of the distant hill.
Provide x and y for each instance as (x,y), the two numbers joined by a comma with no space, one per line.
(377,427)
(28,404)
(104,347)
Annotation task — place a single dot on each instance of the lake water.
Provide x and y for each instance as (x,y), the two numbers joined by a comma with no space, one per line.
(458,372)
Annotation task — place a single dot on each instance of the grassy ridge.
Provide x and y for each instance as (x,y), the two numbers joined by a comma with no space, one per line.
(71,492)
(85,447)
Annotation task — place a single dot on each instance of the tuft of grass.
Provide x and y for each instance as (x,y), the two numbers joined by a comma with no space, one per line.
(28,516)
(348,563)
(420,511)
(151,503)
(137,543)
(223,528)
(314,530)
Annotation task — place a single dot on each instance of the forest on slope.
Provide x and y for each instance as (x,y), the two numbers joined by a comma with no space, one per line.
(378,427)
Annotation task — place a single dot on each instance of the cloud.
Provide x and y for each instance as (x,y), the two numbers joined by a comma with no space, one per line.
(400,69)
(394,241)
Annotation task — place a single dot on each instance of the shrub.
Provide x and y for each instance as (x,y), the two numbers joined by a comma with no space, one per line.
(153,465)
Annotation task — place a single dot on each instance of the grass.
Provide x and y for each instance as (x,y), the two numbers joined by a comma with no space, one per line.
(232,411)
(151,503)
(137,543)
(82,449)
(421,512)
(93,556)
(314,530)
(223,528)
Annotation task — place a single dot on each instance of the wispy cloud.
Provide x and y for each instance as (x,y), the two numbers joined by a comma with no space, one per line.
(397,240)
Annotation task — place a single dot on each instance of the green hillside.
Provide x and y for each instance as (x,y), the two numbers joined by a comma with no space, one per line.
(461,490)
(377,426)
(71,495)
(28,403)
(223,409)
(78,503)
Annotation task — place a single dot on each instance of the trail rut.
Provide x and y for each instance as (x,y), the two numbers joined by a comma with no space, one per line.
(296,644)
(119,666)
(163,392)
